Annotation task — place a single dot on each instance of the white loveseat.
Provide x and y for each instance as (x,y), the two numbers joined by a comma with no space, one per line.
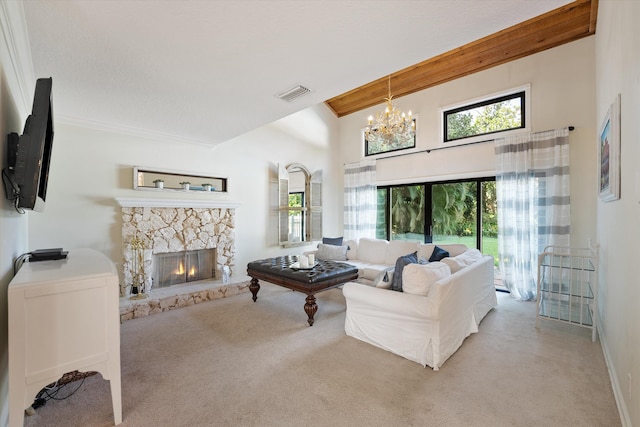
(426,326)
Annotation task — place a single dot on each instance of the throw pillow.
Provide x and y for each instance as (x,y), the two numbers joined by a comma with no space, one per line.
(332,252)
(396,285)
(335,241)
(384,278)
(463,260)
(417,278)
(438,254)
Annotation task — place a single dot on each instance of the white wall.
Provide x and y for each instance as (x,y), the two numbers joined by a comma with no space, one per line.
(562,94)
(13,236)
(13,226)
(618,71)
(90,168)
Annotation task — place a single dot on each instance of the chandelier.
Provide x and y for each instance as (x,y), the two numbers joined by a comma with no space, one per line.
(391,126)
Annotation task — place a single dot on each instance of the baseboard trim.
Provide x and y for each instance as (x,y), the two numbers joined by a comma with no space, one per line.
(615,385)
(4,413)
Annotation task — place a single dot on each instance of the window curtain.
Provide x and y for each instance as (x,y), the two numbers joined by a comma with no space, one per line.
(360,201)
(532,186)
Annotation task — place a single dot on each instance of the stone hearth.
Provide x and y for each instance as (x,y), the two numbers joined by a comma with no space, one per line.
(174,297)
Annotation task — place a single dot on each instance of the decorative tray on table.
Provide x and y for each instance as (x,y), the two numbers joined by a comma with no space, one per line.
(296,266)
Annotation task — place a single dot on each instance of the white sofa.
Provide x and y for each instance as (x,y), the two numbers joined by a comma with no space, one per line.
(372,256)
(426,328)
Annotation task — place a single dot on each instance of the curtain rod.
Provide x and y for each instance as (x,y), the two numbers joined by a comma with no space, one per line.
(444,148)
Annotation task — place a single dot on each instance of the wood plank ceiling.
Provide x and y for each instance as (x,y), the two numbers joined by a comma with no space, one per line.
(563,25)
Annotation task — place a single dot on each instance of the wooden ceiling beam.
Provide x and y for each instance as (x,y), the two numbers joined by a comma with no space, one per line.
(562,25)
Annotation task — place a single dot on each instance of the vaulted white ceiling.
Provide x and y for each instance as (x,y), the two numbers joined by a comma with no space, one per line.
(208,71)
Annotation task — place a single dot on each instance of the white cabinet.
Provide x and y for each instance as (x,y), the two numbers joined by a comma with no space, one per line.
(567,286)
(63,316)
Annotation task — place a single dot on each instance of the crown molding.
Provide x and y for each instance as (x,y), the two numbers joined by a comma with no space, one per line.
(15,54)
(130,131)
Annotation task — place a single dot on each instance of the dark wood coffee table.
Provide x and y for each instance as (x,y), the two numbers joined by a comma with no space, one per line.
(324,275)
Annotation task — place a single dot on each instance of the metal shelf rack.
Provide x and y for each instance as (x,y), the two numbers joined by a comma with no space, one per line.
(567,286)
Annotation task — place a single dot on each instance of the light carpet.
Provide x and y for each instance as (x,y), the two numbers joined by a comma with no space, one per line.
(233,362)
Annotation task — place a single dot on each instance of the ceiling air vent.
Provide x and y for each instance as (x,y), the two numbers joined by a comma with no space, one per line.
(293,93)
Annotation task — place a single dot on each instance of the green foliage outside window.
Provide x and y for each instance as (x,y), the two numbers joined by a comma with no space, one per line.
(295,200)
(453,212)
(454,209)
(485,119)
(407,212)
(489,209)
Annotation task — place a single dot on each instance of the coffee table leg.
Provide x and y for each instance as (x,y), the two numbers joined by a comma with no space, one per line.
(310,308)
(254,287)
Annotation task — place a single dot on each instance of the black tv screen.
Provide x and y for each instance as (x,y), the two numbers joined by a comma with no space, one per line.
(33,154)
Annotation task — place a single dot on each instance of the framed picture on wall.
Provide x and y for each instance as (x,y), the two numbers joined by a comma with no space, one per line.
(609,154)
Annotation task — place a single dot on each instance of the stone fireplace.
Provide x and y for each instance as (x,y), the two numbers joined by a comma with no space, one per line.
(181,228)
(169,226)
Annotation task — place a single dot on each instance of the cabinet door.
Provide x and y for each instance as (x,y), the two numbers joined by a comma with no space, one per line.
(66,325)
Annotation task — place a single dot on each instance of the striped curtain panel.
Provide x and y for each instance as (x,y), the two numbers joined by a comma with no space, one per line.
(532,186)
(360,201)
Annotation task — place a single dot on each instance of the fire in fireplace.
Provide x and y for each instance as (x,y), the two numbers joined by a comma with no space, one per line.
(181,267)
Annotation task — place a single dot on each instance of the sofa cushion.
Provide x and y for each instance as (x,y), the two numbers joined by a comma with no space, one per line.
(397,248)
(352,250)
(371,271)
(331,252)
(401,262)
(463,260)
(455,249)
(438,254)
(384,278)
(335,241)
(418,278)
(372,250)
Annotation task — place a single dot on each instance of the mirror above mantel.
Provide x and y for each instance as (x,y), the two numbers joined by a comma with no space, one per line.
(160,180)
(300,205)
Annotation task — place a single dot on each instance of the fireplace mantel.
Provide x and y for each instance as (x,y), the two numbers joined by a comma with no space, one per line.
(143,202)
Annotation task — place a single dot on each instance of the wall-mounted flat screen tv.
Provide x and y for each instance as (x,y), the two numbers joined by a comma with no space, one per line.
(29,155)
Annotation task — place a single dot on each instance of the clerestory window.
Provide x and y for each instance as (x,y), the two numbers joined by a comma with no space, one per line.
(482,119)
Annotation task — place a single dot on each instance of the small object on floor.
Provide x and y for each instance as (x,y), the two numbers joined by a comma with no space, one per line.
(52,391)
(39,402)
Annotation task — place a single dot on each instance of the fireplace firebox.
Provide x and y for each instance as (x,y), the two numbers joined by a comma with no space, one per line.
(181,267)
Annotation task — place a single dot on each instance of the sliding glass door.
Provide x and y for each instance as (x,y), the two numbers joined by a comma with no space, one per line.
(461,211)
